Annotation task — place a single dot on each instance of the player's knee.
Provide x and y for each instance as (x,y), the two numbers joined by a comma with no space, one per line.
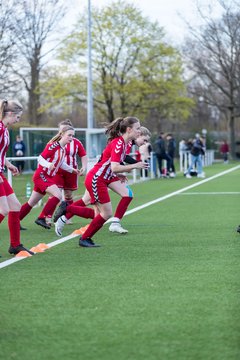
(4,212)
(68,198)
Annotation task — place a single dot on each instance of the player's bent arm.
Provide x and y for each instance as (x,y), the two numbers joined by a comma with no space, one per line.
(84,161)
(43,162)
(130,160)
(67,168)
(118,168)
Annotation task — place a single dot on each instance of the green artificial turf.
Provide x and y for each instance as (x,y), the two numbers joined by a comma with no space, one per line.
(169,289)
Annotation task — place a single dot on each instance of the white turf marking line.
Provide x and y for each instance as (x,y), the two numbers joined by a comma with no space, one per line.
(213,193)
(71,236)
(54,243)
(179,191)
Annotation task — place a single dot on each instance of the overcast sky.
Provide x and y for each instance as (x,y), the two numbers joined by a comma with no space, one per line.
(166,12)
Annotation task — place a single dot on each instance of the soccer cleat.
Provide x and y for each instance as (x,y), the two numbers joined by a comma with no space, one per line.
(117,227)
(42,222)
(238,229)
(59,225)
(15,250)
(87,243)
(22,228)
(61,210)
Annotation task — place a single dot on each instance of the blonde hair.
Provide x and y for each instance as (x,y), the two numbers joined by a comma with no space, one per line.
(10,106)
(61,133)
(119,126)
(144,131)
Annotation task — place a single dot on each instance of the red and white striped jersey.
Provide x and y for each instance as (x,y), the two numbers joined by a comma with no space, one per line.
(73,149)
(129,147)
(55,154)
(115,151)
(4,144)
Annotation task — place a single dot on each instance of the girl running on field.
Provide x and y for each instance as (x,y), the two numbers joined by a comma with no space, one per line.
(49,162)
(10,113)
(107,173)
(63,179)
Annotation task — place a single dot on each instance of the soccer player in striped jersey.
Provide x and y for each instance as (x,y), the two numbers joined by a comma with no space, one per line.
(108,173)
(122,206)
(49,162)
(63,179)
(10,113)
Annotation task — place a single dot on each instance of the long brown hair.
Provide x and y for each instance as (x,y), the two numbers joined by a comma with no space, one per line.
(119,126)
(9,105)
(60,133)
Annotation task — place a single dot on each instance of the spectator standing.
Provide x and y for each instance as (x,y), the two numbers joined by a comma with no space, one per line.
(19,150)
(160,149)
(171,150)
(224,149)
(197,151)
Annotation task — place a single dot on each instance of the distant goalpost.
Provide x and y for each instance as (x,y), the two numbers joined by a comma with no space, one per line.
(35,139)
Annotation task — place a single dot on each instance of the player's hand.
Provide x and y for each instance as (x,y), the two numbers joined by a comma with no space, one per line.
(82,171)
(122,178)
(77,171)
(141,165)
(14,170)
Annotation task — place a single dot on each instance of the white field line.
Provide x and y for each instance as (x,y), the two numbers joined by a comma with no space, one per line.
(212,193)
(162,198)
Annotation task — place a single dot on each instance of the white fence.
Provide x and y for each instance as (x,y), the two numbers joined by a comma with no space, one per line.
(185,159)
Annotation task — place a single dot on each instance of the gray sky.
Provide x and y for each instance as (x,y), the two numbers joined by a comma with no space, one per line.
(166,12)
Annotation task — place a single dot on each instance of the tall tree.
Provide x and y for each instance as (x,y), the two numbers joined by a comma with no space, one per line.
(134,70)
(214,53)
(7,49)
(32,24)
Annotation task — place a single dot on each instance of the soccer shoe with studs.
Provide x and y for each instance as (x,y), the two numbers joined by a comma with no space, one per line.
(117,228)
(87,243)
(15,250)
(61,210)
(42,222)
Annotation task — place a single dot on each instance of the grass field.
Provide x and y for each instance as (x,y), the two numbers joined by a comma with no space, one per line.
(169,289)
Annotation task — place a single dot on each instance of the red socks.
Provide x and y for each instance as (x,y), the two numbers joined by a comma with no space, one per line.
(76,203)
(25,209)
(94,226)
(122,207)
(81,211)
(1,218)
(14,227)
(49,207)
(79,203)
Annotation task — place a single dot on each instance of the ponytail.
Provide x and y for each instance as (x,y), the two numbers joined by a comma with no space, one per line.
(65,122)
(119,126)
(9,106)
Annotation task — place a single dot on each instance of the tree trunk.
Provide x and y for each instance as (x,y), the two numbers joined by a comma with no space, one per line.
(34,94)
